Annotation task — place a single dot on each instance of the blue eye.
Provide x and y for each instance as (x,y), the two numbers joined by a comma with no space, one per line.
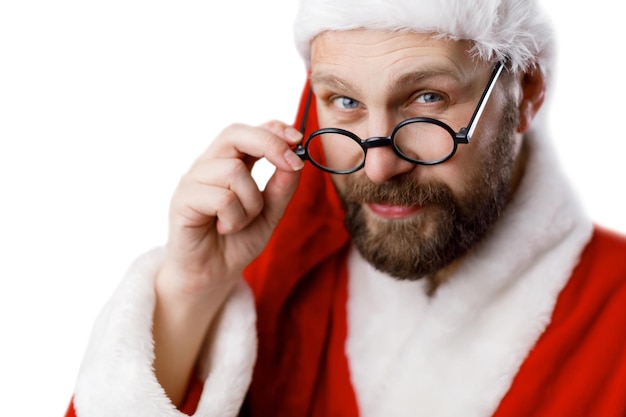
(345,103)
(428,98)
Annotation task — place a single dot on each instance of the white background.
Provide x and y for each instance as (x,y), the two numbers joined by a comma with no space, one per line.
(104,105)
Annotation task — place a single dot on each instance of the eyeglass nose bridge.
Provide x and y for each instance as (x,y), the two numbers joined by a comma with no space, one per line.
(382,141)
(376,142)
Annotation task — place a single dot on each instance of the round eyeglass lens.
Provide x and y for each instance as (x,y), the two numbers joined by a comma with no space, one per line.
(343,153)
(424,141)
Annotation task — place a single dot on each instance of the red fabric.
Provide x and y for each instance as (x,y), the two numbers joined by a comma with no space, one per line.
(70,412)
(578,367)
(193,397)
(301,364)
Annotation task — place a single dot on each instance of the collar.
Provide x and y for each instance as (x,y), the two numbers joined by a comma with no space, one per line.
(457,352)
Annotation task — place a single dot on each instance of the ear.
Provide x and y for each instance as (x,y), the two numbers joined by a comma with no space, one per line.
(533,94)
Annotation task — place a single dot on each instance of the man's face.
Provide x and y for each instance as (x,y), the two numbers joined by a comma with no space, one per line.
(411,220)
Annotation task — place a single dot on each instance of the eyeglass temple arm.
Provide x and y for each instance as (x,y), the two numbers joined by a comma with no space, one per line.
(305,113)
(300,150)
(466,133)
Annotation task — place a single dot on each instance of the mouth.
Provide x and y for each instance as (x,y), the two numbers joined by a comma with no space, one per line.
(390,211)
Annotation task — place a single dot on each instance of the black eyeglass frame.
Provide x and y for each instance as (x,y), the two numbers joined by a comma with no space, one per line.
(463,136)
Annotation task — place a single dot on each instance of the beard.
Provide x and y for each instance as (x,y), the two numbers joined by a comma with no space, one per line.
(447,226)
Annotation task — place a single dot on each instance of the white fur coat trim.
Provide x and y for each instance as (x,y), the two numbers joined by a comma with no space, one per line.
(117,378)
(450,355)
(456,353)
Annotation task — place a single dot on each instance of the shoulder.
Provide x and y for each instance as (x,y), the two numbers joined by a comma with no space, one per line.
(609,240)
(580,359)
(604,256)
(597,285)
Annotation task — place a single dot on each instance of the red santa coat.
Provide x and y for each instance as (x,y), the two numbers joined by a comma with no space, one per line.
(577,366)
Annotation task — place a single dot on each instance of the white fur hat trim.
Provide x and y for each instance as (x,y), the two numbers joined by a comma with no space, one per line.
(513,29)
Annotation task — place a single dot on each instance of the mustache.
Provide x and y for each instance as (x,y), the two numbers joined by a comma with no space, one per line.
(399,191)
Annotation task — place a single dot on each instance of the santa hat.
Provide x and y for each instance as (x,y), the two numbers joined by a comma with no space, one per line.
(513,29)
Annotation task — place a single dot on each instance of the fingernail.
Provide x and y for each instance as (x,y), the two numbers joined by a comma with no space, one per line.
(294,161)
(293,134)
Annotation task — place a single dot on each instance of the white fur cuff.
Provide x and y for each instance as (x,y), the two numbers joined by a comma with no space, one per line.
(117,377)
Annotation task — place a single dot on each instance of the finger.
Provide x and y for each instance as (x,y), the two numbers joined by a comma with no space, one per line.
(204,205)
(233,175)
(288,132)
(243,141)
(223,189)
(277,194)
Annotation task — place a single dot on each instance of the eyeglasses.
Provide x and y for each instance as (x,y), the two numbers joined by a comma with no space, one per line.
(420,140)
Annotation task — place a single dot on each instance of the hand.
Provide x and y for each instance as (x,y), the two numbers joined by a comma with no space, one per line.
(219,219)
(219,222)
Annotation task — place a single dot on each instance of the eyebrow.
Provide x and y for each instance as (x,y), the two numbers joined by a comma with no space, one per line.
(333,82)
(405,80)
(414,77)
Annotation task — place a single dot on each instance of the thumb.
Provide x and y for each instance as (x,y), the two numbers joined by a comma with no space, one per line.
(277,194)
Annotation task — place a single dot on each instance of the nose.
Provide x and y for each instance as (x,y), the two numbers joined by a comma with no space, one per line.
(381,162)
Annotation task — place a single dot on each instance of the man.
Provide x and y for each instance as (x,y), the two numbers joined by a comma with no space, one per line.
(420,254)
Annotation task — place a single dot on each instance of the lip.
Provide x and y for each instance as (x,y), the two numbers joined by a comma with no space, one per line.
(389,211)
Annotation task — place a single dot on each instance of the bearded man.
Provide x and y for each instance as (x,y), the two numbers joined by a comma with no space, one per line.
(416,252)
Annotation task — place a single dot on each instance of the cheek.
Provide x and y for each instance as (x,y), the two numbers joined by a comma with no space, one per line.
(341,148)
(340,182)
(453,173)
(472,157)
